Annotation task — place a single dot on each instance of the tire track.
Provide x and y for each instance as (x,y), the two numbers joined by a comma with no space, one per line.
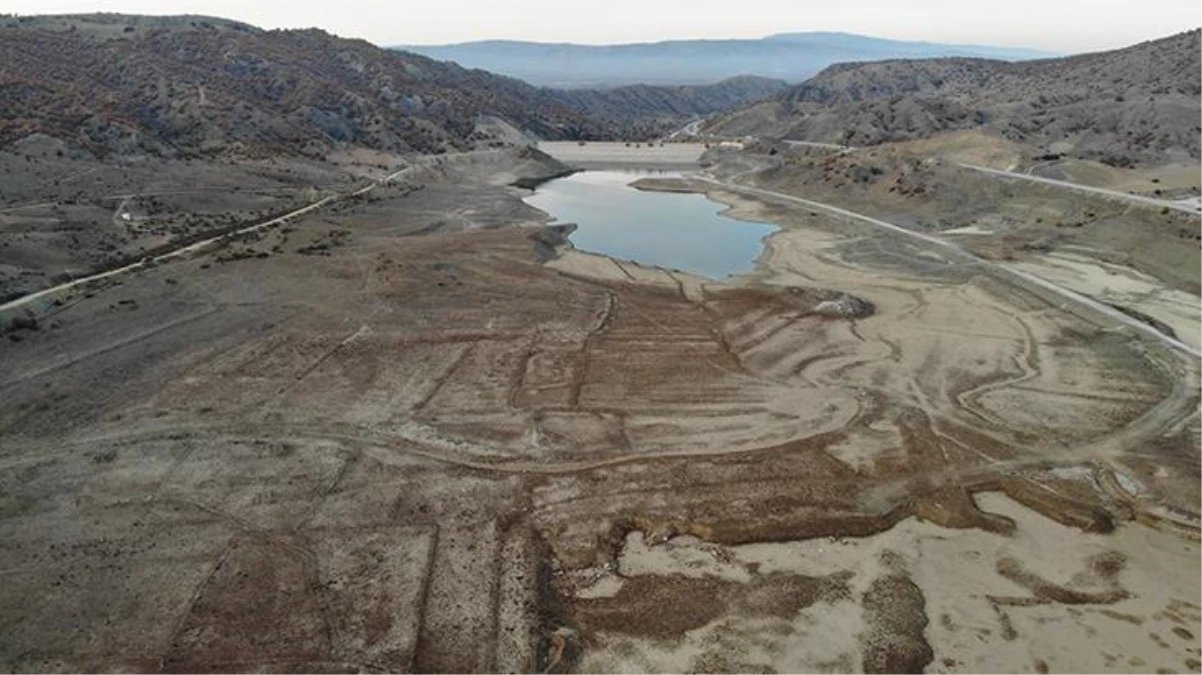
(580,373)
(108,348)
(444,377)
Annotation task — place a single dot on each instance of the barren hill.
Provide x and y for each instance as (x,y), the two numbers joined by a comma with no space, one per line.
(193,86)
(1124,107)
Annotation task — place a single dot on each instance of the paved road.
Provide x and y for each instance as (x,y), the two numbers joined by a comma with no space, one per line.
(1179,405)
(1000,270)
(1113,194)
(601,153)
(814,144)
(690,129)
(1192,207)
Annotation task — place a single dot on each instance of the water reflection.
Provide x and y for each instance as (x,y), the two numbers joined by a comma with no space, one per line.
(675,231)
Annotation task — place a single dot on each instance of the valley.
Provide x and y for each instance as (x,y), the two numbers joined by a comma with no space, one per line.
(309,403)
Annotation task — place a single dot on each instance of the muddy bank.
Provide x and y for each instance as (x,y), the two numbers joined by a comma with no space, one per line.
(402,441)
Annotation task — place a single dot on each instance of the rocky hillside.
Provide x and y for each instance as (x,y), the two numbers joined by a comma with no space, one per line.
(1131,106)
(193,86)
(642,110)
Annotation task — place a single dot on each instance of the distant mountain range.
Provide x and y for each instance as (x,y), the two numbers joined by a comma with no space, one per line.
(1124,107)
(792,57)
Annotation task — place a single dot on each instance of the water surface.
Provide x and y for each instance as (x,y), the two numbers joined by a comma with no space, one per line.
(670,230)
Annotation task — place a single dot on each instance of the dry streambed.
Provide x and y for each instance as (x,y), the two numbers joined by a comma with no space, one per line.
(423,449)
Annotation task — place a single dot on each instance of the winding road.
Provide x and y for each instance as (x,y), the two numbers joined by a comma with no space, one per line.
(1000,270)
(1111,194)
(1182,206)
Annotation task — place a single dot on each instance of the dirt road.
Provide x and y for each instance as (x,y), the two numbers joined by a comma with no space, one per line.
(999,269)
(186,250)
(403,440)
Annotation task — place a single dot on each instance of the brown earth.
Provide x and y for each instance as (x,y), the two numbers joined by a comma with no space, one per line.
(424,449)
(198,87)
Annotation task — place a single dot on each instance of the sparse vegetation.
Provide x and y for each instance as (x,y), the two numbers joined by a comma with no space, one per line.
(1133,120)
(143,94)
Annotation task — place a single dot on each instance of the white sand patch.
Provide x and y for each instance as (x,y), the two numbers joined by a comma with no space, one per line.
(958,573)
(1125,286)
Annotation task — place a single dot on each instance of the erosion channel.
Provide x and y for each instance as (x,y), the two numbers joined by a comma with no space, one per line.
(894,456)
(413,430)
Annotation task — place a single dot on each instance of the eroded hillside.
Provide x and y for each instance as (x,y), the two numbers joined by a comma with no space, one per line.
(193,88)
(1134,106)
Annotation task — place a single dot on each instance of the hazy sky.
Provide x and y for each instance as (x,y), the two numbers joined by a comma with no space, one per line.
(1054,25)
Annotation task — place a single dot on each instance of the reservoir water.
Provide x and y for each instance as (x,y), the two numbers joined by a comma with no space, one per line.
(671,230)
